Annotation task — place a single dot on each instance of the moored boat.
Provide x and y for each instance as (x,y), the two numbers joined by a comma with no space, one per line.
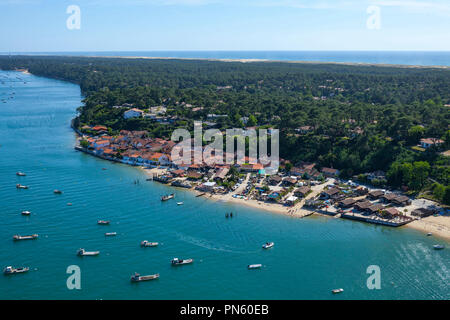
(110,234)
(180,203)
(254,266)
(268,245)
(82,252)
(438,247)
(103,222)
(138,278)
(429,234)
(146,243)
(19,186)
(177,262)
(57,192)
(168,197)
(30,237)
(26,213)
(11,270)
(337,290)
(20,174)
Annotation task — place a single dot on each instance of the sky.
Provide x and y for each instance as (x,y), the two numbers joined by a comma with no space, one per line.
(148,25)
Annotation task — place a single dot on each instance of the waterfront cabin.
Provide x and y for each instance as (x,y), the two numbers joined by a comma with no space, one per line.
(390,213)
(332,193)
(290,201)
(422,212)
(362,205)
(388,197)
(375,194)
(401,200)
(375,208)
(302,191)
(347,203)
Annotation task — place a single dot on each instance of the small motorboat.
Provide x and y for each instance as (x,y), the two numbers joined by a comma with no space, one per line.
(146,243)
(337,290)
(110,234)
(69,204)
(57,192)
(30,237)
(103,222)
(168,197)
(180,203)
(178,262)
(255,266)
(20,174)
(11,270)
(438,247)
(138,278)
(82,252)
(268,245)
(429,234)
(19,186)
(26,213)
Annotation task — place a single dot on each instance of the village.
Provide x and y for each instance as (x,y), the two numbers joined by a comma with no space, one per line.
(301,191)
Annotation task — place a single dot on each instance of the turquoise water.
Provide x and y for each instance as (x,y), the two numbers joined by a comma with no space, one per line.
(311,256)
(424,58)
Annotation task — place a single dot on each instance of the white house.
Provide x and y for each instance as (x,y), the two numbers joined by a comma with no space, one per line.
(133,113)
(428,142)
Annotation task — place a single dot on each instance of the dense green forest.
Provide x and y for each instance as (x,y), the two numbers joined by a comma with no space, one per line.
(355,118)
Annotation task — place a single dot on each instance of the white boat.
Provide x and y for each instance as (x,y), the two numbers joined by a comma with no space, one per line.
(146,243)
(30,237)
(429,234)
(11,270)
(438,247)
(20,174)
(111,234)
(26,213)
(19,186)
(180,203)
(255,266)
(103,222)
(168,197)
(177,262)
(82,252)
(57,192)
(337,290)
(268,245)
(138,278)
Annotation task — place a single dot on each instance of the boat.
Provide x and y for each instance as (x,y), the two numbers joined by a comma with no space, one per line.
(168,197)
(57,192)
(110,234)
(103,222)
(11,270)
(30,237)
(429,234)
(268,245)
(20,174)
(19,186)
(255,266)
(26,213)
(180,203)
(177,262)
(337,290)
(138,278)
(82,252)
(146,243)
(438,247)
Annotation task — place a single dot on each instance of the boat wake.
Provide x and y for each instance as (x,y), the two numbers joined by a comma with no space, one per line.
(208,245)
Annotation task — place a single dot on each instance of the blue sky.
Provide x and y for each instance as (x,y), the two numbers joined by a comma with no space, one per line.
(121,25)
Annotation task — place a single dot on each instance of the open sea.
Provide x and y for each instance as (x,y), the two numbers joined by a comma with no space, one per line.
(420,58)
(311,255)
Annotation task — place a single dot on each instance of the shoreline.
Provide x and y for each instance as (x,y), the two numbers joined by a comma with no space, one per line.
(439,226)
(250,60)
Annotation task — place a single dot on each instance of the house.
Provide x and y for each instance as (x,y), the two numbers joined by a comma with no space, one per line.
(133,113)
(274,180)
(101,144)
(289,181)
(248,167)
(194,175)
(388,197)
(332,193)
(375,208)
(178,173)
(422,212)
(362,190)
(375,194)
(304,129)
(206,187)
(290,201)
(362,205)
(347,203)
(100,128)
(302,191)
(330,172)
(428,142)
(221,173)
(401,200)
(391,212)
